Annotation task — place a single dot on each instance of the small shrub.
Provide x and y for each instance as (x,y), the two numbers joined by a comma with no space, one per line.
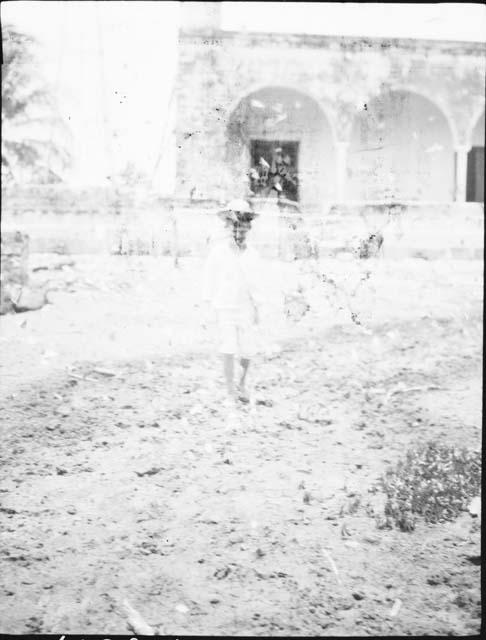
(435,482)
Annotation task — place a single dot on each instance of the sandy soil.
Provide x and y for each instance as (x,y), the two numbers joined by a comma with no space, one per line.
(131,484)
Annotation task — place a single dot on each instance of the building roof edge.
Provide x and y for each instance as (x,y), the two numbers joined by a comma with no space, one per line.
(344,40)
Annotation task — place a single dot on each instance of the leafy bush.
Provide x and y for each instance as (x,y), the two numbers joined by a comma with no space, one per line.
(35,138)
(435,482)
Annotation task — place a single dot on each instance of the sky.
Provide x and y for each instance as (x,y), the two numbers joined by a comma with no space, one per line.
(454,21)
(112,64)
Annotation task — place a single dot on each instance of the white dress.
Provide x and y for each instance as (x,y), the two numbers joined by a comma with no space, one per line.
(232,285)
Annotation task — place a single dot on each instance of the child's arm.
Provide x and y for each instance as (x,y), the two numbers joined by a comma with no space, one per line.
(208,285)
(208,278)
(257,290)
(256,310)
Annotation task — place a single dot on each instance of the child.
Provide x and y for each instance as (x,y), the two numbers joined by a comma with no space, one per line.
(231,287)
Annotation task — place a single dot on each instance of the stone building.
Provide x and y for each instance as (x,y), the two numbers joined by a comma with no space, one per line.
(359,119)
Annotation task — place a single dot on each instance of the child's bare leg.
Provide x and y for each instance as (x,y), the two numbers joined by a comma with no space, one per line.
(229,372)
(245,363)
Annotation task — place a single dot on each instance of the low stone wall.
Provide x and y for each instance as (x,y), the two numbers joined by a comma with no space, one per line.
(426,230)
(14,267)
(98,221)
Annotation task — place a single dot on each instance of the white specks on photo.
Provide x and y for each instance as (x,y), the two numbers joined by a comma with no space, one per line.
(241,318)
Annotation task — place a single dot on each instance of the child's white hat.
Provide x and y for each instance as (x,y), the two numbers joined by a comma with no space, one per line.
(237,210)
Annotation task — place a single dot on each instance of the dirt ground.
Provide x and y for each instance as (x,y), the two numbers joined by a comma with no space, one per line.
(122,479)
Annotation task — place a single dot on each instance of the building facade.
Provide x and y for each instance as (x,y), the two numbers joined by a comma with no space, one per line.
(353,119)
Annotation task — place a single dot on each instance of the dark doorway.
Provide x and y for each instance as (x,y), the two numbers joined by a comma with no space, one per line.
(274,168)
(475,175)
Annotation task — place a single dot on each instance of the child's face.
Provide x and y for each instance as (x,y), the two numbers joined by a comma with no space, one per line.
(240,230)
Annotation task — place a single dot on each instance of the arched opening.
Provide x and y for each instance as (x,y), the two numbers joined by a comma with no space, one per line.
(282,141)
(475,164)
(401,146)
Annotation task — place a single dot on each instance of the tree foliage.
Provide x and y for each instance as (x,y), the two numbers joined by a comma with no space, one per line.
(31,126)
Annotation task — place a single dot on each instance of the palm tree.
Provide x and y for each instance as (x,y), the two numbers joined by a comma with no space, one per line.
(30,121)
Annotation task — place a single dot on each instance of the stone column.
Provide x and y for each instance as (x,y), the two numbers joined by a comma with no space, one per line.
(341,167)
(460,178)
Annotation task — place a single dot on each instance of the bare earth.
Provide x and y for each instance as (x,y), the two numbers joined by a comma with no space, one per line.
(122,479)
